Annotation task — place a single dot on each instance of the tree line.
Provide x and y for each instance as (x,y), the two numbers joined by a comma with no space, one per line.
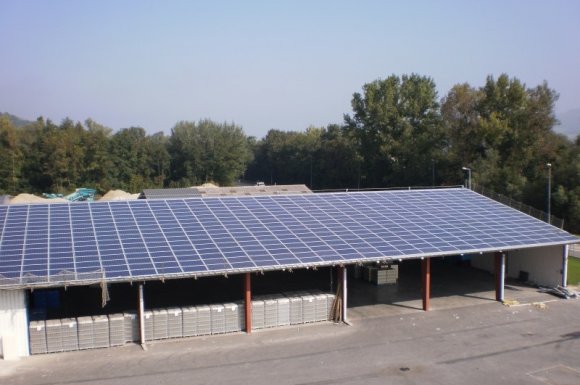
(399,133)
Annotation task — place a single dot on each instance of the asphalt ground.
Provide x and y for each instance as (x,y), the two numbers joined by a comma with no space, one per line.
(482,343)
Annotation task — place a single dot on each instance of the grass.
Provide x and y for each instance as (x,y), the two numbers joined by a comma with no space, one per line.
(573,271)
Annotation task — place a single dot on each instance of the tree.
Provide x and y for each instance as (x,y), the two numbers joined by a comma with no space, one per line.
(397,124)
(208,152)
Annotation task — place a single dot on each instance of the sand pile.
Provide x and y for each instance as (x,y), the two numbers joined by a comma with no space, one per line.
(29,198)
(116,195)
(208,184)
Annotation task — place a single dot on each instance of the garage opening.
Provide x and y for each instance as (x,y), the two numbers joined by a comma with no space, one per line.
(454,283)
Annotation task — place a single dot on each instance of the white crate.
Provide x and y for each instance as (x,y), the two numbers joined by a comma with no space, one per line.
(100,331)
(218,319)
(203,320)
(69,334)
(189,315)
(53,336)
(283,311)
(148,323)
(232,313)
(37,333)
(257,314)
(131,327)
(308,308)
(159,324)
(85,332)
(174,322)
(116,329)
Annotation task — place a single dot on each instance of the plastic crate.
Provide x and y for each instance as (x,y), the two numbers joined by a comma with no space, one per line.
(37,334)
(69,334)
(189,315)
(174,322)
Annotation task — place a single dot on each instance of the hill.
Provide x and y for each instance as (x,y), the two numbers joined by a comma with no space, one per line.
(16,121)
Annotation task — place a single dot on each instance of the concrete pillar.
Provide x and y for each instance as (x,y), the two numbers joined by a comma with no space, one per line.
(499,276)
(426,282)
(248,301)
(344,272)
(565,265)
(142,316)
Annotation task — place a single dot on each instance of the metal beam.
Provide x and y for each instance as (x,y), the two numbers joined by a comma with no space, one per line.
(499,276)
(565,265)
(426,282)
(344,272)
(142,316)
(248,301)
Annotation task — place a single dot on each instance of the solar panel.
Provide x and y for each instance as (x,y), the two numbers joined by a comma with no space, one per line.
(61,244)
(166,193)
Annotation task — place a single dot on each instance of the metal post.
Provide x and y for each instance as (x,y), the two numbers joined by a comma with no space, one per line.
(248,302)
(426,282)
(344,294)
(565,265)
(549,192)
(141,316)
(499,276)
(468,176)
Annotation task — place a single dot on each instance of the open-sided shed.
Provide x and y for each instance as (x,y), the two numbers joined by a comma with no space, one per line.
(135,241)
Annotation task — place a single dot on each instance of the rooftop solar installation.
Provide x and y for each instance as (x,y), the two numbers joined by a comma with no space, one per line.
(166,193)
(45,245)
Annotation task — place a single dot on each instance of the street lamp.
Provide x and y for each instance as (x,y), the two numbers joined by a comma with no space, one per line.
(468,176)
(549,165)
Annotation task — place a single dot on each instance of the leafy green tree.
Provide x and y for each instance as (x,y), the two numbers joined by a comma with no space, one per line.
(397,124)
(208,152)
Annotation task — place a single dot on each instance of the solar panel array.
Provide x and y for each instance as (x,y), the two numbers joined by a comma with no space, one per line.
(57,244)
(167,193)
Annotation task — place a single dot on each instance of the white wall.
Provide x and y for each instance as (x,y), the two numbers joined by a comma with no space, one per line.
(13,318)
(543,264)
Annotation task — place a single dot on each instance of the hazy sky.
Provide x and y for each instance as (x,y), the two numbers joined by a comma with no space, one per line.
(266,64)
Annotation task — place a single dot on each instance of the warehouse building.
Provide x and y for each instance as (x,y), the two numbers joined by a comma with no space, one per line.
(175,267)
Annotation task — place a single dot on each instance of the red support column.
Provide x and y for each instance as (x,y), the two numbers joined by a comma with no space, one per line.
(426,282)
(248,301)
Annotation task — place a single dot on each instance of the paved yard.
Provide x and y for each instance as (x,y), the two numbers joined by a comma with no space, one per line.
(478,344)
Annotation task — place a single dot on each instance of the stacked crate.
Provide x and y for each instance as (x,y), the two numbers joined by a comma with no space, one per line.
(295,307)
(159,324)
(53,336)
(330,298)
(37,333)
(320,306)
(308,308)
(270,311)
(203,320)
(257,314)
(69,334)
(116,329)
(232,315)
(85,332)
(283,311)
(100,331)
(131,327)
(189,326)
(174,322)
(148,323)
(218,319)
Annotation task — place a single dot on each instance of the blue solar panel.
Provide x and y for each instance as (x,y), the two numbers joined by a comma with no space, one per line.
(60,243)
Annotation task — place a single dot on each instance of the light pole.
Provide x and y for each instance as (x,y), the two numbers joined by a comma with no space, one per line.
(549,165)
(468,176)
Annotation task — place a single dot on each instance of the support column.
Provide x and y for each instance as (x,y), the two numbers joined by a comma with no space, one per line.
(141,316)
(565,265)
(344,294)
(499,276)
(426,282)
(248,302)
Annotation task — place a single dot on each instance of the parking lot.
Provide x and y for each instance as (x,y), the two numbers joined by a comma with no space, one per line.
(534,342)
